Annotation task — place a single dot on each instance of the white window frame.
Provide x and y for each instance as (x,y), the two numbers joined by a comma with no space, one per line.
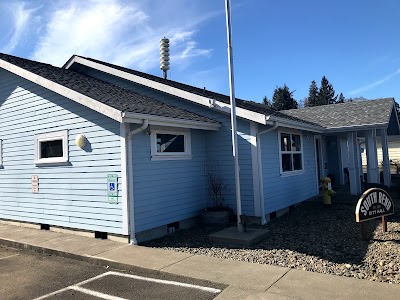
(187,154)
(1,154)
(51,136)
(293,172)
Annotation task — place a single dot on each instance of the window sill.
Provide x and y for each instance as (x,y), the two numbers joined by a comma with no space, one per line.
(171,157)
(292,173)
(39,163)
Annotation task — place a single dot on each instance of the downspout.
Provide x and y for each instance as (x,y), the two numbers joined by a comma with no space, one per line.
(260,181)
(131,213)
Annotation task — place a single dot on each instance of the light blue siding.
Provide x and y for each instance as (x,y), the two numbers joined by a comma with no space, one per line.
(217,151)
(281,191)
(72,195)
(167,191)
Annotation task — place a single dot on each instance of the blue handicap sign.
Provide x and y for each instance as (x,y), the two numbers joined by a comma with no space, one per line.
(112,186)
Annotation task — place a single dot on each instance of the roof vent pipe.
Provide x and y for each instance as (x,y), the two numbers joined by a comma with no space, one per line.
(164,56)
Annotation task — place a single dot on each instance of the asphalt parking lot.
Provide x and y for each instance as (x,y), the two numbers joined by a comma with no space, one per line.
(27,275)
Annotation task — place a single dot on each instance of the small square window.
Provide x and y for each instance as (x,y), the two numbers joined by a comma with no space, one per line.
(291,152)
(51,148)
(170,145)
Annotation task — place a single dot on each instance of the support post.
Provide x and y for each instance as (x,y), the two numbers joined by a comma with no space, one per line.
(384,224)
(340,155)
(363,229)
(386,159)
(353,163)
(344,157)
(359,169)
(372,157)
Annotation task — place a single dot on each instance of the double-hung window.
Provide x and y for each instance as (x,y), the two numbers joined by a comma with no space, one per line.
(291,152)
(51,148)
(170,145)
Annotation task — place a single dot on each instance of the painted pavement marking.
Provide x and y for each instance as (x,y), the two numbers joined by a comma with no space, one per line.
(77,287)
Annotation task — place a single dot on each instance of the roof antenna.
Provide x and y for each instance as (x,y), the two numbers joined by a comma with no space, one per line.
(164,56)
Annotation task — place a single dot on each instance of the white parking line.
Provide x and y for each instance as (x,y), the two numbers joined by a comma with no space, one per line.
(77,287)
(96,294)
(177,283)
(69,287)
(8,256)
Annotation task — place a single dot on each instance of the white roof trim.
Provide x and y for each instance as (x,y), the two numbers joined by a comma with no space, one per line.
(63,91)
(295,125)
(213,104)
(355,127)
(166,121)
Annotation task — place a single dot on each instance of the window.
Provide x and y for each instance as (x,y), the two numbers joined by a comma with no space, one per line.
(291,152)
(51,147)
(170,145)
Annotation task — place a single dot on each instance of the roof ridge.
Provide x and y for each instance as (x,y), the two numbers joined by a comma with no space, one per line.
(248,105)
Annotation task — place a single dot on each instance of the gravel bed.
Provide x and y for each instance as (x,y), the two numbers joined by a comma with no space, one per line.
(312,238)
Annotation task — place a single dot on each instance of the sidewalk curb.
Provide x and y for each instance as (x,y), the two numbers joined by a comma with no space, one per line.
(102,262)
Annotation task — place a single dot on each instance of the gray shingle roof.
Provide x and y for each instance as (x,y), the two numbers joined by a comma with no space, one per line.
(114,96)
(245,104)
(358,113)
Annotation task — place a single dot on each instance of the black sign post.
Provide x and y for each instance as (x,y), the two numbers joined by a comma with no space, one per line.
(374,203)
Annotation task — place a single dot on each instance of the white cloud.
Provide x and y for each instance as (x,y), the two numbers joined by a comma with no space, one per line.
(374,84)
(115,31)
(20,15)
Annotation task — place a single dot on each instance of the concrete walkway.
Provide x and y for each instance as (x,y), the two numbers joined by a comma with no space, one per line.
(244,280)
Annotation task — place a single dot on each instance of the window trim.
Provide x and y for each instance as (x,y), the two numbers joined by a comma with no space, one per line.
(187,154)
(63,135)
(293,172)
(1,154)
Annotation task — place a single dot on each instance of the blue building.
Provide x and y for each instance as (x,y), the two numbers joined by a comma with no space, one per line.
(101,148)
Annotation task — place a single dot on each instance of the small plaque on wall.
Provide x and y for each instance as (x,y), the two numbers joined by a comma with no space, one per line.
(35,184)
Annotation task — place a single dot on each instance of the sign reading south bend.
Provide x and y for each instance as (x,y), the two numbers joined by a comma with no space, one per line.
(374,203)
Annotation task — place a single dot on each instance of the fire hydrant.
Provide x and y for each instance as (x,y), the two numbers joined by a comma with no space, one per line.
(327,191)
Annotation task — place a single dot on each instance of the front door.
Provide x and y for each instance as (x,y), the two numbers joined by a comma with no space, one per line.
(318,159)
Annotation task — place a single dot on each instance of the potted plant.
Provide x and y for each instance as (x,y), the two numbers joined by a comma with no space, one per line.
(217,214)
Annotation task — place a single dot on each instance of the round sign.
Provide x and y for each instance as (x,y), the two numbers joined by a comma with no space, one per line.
(374,203)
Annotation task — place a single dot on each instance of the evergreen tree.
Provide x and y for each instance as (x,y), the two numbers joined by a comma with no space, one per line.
(266,101)
(341,98)
(283,98)
(312,99)
(326,93)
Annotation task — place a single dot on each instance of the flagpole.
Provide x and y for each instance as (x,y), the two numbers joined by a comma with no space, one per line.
(233,114)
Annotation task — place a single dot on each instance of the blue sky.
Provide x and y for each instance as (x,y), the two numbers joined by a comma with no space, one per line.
(355,44)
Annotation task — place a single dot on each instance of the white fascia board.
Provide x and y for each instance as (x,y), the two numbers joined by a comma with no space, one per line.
(124,129)
(212,104)
(294,125)
(165,121)
(63,91)
(355,128)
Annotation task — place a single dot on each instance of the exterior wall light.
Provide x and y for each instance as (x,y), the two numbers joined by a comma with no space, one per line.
(80,141)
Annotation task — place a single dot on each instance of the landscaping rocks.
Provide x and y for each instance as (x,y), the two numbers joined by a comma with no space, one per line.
(313,238)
